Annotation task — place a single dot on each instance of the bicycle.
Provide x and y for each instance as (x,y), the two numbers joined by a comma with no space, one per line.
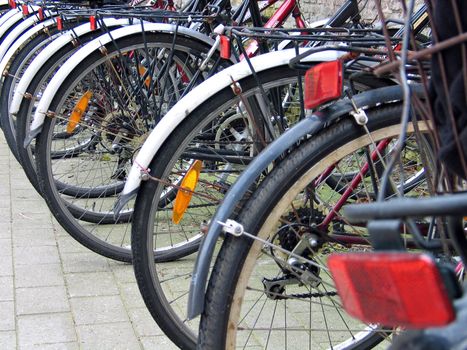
(95,201)
(280,222)
(205,131)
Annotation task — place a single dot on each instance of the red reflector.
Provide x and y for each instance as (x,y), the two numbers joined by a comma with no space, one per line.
(59,23)
(25,9)
(323,83)
(12,4)
(392,289)
(92,21)
(225,47)
(40,13)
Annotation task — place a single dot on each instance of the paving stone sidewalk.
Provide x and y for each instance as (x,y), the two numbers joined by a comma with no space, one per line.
(54,293)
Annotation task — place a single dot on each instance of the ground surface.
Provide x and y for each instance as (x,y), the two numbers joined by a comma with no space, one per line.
(54,293)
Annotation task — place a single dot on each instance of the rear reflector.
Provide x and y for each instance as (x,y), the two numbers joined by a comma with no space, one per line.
(225,47)
(392,289)
(92,22)
(40,13)
(59,23)
(12,4)
(323,83)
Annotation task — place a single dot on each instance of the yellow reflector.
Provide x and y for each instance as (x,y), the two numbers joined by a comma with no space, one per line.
(184,194)
(78,112)
(142,71)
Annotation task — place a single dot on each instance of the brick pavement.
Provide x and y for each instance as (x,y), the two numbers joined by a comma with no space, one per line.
(54,293)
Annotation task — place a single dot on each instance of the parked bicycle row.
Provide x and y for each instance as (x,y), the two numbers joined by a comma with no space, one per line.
(155,133)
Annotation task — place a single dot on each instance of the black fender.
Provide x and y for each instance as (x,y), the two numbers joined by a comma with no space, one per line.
(306,127)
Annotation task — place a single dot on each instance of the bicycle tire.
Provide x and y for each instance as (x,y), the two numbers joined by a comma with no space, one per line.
(87,231)
(261,215)
(15,70)
(35,89)
(152,285)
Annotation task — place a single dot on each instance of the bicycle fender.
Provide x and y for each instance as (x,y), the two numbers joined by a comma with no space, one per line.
(21,41)
(60,41)
(11,21)
(194,99)
(7,15)
(17,31)
(88,49)
(304,128)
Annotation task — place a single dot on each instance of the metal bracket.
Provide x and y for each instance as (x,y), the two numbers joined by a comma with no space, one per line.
(360,116)
(236,88)
(232,227)
(386,235)
(145,175)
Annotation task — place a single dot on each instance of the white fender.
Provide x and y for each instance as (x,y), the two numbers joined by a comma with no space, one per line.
(12,20)
(89,48)
(22,40)
(17,31)
(7,15)
(49,51)
(200,94)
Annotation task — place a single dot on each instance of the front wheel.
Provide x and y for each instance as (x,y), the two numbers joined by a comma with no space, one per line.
(261,297)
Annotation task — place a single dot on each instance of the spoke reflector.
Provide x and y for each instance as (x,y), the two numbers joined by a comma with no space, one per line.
(323,83)
(142,72)
(78,112)
(184,194)
(392,289)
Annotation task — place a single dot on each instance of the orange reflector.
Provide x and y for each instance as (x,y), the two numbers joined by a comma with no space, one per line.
(184,194)
(142,71)
(25,9)
(78,112)
(12,4)
(323,83)
(392,289)
(225,47)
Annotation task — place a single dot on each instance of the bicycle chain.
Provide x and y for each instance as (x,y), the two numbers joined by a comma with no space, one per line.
(313,295)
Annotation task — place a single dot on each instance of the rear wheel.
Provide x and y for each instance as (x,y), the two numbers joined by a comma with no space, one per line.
(217,140)
(103,113)
(259,295)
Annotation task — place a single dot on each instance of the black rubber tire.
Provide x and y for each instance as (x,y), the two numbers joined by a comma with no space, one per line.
(46,181)
(17,66)
(234,251)
(142,245)
(23,118)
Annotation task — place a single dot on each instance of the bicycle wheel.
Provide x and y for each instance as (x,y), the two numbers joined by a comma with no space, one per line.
(260,296)
(219,133)
(17,67)
(118,94)
(27,107)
